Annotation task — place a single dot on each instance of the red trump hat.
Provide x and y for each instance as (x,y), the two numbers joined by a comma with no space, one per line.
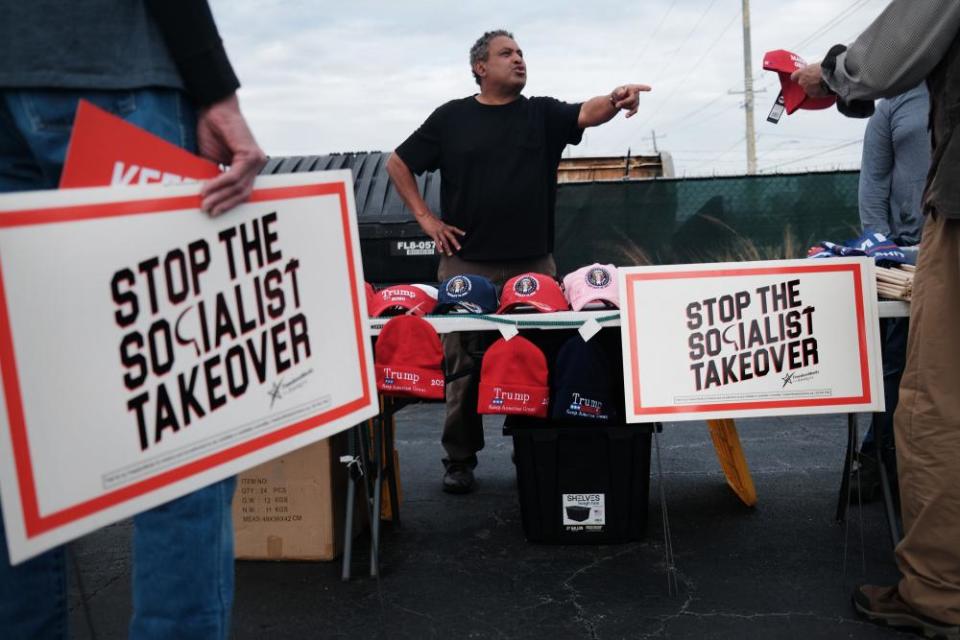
(784,63)
(371,292)
(532,292)
(513,379)
(402,298)
(408,359)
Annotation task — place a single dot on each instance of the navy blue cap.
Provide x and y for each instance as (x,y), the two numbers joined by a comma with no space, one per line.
(467,294)
(583,384)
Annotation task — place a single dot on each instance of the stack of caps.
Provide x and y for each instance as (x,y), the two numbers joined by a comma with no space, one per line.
(467,294)
(411,299)
(532,292)
(408,359)
(592,287)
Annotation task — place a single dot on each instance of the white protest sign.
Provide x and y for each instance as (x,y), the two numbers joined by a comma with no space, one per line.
(148,350)
(733,340)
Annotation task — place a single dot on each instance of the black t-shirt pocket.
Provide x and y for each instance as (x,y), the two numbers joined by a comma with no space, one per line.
(531,136)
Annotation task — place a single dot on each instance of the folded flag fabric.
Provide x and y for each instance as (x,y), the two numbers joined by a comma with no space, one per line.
(874,245)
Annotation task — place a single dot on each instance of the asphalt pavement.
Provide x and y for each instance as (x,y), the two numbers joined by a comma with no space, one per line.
(459,566)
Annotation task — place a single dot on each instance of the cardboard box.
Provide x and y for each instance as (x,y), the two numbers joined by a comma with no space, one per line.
(292,508)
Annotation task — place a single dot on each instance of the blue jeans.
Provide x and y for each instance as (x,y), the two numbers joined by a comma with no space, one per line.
(182,550)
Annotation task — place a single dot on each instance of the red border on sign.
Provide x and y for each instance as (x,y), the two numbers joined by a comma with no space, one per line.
(855,272)
(34,522)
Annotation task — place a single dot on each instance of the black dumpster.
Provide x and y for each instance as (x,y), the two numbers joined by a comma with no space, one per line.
(393,247)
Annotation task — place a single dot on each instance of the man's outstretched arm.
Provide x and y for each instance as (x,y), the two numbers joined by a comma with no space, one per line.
(596,111)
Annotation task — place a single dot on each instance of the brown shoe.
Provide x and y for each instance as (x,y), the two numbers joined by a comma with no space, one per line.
(884,605)
(458,477)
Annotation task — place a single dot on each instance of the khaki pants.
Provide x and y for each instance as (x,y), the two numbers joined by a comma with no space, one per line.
(927,429)
(463,351)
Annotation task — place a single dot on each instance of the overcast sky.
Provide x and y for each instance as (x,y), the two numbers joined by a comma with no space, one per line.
(322,77)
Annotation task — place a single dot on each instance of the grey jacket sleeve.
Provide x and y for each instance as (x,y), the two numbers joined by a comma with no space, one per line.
(876,173)
(897,51)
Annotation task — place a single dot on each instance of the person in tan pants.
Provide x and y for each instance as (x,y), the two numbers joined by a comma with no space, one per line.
(909,42)
(463,352)
(498,153)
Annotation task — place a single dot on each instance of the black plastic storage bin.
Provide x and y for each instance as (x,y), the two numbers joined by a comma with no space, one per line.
(581,484)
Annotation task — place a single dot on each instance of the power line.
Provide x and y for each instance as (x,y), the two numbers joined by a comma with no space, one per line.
(686,38)
(702,121)
(653,35)
(722,153)
(830,24)
(687,116)
(767,79)
(695,66)
(778,148)
(794,136)
(815,155)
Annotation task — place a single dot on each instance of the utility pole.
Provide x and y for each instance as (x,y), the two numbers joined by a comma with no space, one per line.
(653,137)
(748,91)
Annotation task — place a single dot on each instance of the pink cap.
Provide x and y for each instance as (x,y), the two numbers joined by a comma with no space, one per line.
(594,286)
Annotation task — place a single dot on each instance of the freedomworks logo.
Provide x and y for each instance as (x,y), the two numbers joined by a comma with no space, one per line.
(499,396)
(390,376)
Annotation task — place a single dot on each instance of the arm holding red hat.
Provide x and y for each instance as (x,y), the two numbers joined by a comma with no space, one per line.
(601,109)
(894,54)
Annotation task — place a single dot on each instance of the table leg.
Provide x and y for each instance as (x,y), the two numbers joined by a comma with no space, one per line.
(844,498)
(351,500)
(377,496)
(888,499)
(391,469)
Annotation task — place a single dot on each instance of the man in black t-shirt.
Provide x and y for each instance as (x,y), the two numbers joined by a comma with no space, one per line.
(498,154)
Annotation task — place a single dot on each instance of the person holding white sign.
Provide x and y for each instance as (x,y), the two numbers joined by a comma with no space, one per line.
(498,153)
(159,64)
(908,43)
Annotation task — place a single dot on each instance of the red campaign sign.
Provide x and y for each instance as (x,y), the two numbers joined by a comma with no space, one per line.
(106,150)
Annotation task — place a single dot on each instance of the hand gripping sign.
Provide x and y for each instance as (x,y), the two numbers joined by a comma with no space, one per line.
(147,350)
(106,150)
(732,340)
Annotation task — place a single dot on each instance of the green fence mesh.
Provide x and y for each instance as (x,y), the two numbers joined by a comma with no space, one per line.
(703,219)
(655,222)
